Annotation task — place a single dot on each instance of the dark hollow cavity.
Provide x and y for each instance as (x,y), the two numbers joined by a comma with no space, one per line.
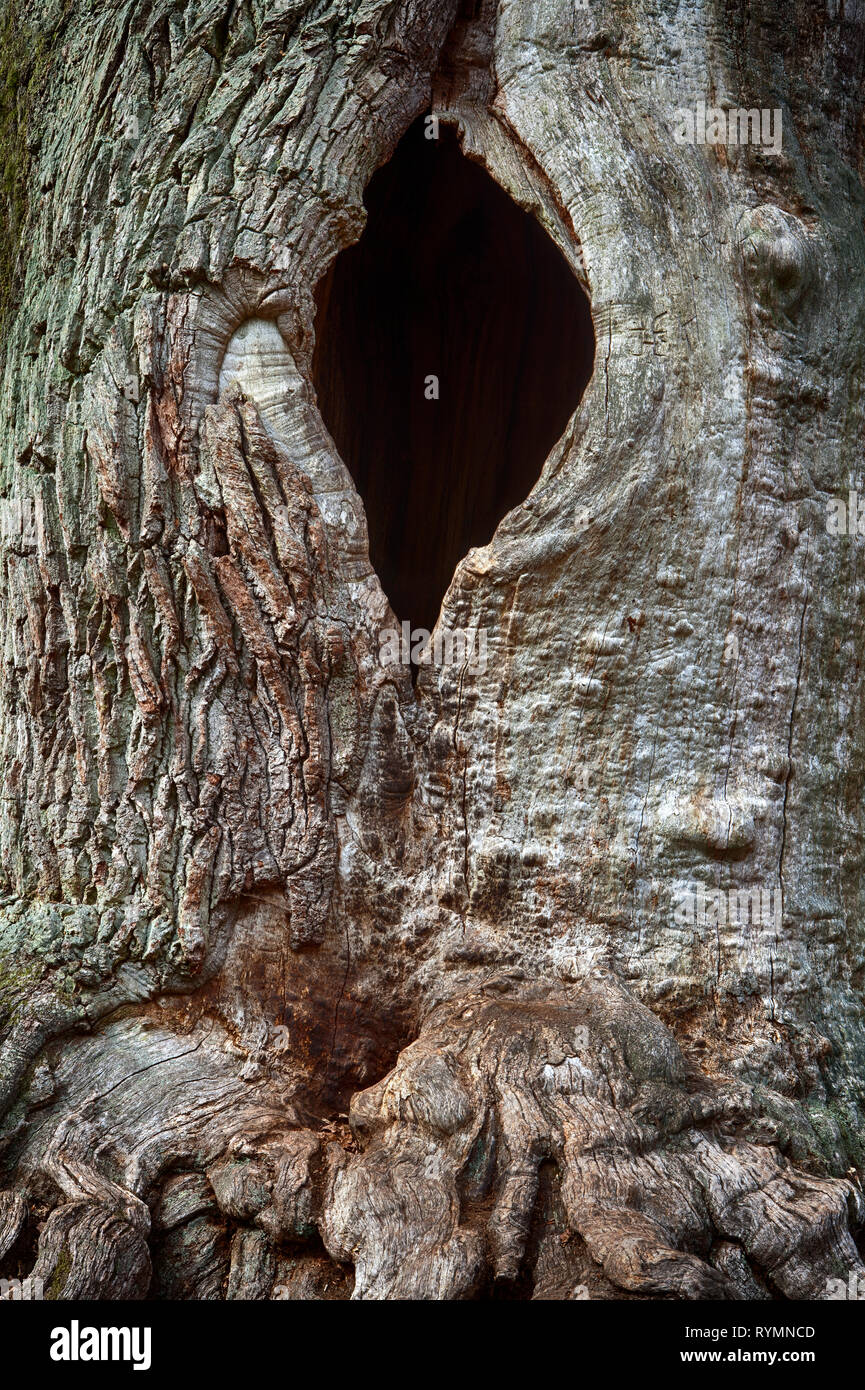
(450,279)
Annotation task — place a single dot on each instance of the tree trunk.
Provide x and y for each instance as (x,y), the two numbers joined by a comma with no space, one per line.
(317,981)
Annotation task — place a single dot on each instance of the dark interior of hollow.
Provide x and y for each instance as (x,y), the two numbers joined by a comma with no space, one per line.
(449,279)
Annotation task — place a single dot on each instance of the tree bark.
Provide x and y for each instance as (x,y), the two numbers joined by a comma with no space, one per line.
(318,983)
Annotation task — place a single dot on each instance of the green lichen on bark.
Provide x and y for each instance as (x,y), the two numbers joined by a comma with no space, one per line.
(59,1277)
(26,47)
(17,976)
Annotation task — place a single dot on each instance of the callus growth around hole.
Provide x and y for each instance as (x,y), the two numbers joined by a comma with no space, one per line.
(453,343)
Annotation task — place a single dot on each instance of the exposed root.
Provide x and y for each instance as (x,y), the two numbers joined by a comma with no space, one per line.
(550,1144)
(656,1167)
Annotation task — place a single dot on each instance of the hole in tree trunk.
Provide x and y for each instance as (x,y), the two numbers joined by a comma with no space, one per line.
(450,280)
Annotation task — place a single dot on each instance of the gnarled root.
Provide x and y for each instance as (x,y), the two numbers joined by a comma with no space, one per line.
(551,1141)
(656,1173)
